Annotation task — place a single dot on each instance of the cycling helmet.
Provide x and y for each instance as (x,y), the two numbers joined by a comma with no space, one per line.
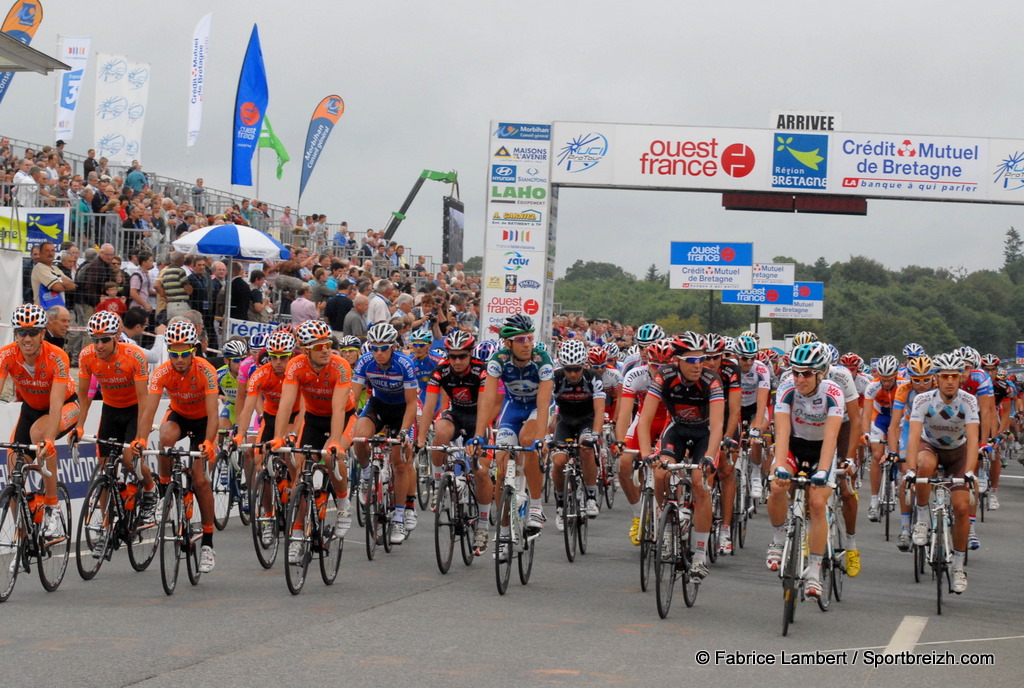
(811,355)
(235,348)
(833,354)
(970,356)
(541,347)
(750,333)
(597,356)
(887,366)
(181,332)
(728,344)
(28,316)
(349,342)
(950,361)
(104,323)
(746,345)
(381,333)
(633,350)
(485,349)
(687,341)
(257,340)
(989,360)
(313,331)
(516,325)
(661,351)
(912,350)
(714,344)
(286,327)
(458,340)
(613,350)
(765,356)
(648,334)
(920,366)
(282,343)
(851,360)
(572,352)
(805,337)
(421,335)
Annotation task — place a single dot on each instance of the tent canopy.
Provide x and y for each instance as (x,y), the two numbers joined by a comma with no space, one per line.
(15,56)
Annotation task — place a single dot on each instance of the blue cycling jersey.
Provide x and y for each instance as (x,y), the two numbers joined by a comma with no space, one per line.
(424,368)
(388,384)
(521,382)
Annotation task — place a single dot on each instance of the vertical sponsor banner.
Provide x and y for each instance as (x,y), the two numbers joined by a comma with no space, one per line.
(74,52)
(251,100)
(21,23)
(517,227)
(321,124)
(122,91)
(197,77)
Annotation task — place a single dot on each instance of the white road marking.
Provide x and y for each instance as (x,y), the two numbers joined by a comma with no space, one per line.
(906,636)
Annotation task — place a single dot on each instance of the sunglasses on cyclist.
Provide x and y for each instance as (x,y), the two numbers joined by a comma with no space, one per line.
(692,360)
(949,376)
(350,349)
(27,331)
(748,358)
(319,346)
(712,357)
(102,340)
(235,359)
(803,373)
(419,345)
(457,357)
(180,354)
(573,369)
(888,378)
(380,348)
(920,380)
(287,354)
(522,339)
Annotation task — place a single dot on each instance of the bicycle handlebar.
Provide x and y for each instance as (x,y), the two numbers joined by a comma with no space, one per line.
(23,449)
(377,440)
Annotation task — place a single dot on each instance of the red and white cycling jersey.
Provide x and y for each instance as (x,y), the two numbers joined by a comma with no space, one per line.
(808,414)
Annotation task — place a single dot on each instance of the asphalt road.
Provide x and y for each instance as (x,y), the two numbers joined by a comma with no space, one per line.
(398,621)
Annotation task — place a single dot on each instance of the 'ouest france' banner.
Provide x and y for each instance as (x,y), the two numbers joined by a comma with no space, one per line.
(21,23)
(326,115)
(251,100)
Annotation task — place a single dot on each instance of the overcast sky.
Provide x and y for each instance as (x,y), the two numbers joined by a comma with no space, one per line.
(421,82)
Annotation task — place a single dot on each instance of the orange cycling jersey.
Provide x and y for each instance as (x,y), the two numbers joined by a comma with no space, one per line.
(264,381)
(117,375)
(318,387)
(187,391)
(33,384)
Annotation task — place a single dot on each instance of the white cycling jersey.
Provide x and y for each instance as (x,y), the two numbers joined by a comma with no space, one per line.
(945,425)
(808,414)
(758,377)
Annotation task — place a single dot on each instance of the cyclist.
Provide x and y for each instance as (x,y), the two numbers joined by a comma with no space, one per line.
(1004,393)
(122,373)
(235,352)
(944,424)
(424,363)
(977,382)
(634,387)
(606,370)
(922,379)
(808,414)
(41,373)
(695,402)
(460,377)
(716,350)
(645,336)
(350,349)
(579,399)
(910,352)
(755,385)
(527,375)
(391,377)
(191,385)
(876,416)
(323,380)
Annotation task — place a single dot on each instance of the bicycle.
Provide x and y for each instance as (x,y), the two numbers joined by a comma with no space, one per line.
(574,512)
(741,499)
(887,499)
(229,483)
(985,454)
(547,486)
(311,523)
(424,480)
(110,513)
(673,550)
(457,512)
(643,474)
(380,494)
(271,487)
(179,537)
(717,520)
(940,538)
(833,561)
(607,485)
(793,571)
(22,536)
(512,536)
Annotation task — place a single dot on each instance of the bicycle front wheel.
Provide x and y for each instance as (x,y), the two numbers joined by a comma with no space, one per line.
(12,542)
(667,559)
(503,540)
(95,524)
(298,527)
(570,516)
(444,523)
(647,534)
(836,529)
(265,523)
(222,497)
(331,545)
(241,493)
(424,481)
(792,572)
(142,541)
(468,516)
(54,552)
(939,564)
(526,560)
(715,536)
(171,537)
(374,528)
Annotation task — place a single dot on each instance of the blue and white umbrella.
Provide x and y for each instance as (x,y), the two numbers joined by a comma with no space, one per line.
(232,241)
